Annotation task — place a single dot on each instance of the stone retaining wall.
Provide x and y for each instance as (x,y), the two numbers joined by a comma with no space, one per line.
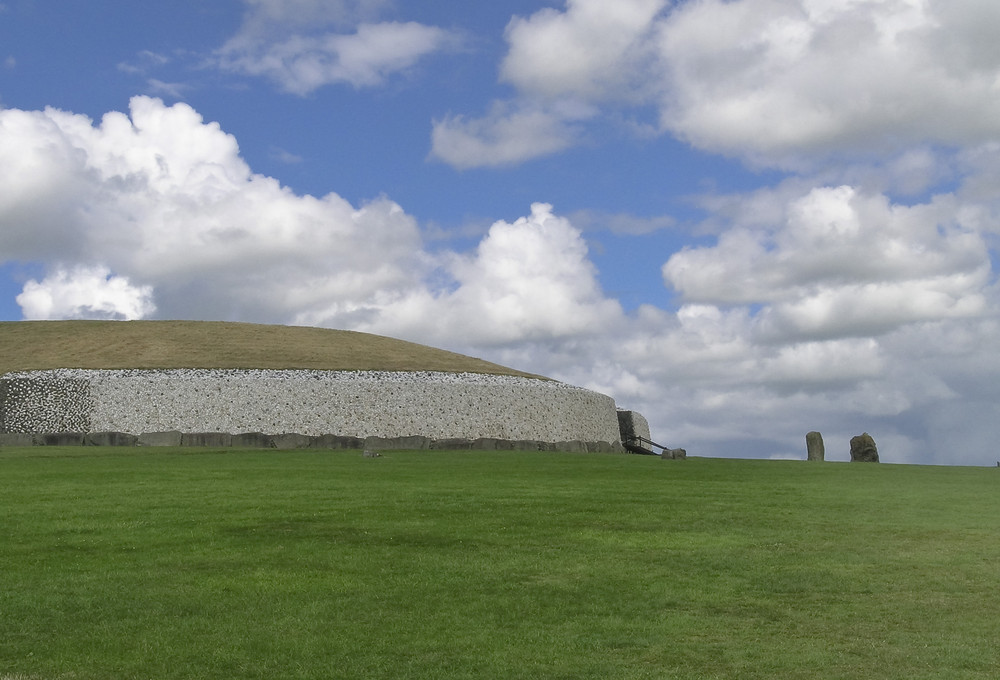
(632,424)
(461,407)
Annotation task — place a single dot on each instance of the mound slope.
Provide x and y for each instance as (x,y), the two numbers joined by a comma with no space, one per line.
(45,345)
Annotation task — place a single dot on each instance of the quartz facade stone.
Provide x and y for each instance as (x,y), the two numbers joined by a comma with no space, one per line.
(632,424)
(343,403)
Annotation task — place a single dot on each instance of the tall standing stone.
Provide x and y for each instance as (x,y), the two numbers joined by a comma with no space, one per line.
(814,446)
(863,449)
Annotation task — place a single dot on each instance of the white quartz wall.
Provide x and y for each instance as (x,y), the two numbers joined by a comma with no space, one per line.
(348,403)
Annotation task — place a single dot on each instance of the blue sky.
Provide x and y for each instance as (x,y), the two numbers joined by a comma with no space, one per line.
(746,219)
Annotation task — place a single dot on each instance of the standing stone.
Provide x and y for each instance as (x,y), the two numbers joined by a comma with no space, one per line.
(863,449)
(814,446)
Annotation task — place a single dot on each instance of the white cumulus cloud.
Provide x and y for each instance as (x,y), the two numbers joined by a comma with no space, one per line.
(527,280)
(506,136)
(592,50)
(289,42)
(85,293)
(775,82)
(163,198)
(772,80)
(841,263)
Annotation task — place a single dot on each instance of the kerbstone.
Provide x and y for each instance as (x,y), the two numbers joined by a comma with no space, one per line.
(17,439)
(168,438)
(59,439)
(292,440)
(211,439)
(110,439)
(252,440)
(335,442)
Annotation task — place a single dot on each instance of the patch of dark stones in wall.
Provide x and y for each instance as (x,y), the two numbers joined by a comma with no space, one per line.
(29,405)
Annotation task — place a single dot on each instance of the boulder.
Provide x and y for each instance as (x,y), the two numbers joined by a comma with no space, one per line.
(863,449)
(291,440)
(674,454)
(452,444)
(335,441)
(59,439)
(209,439)
(604,447)
(410,443)
(110,439)
(17,439)
(169,438)
(573,446)
(252,440)
(814,446)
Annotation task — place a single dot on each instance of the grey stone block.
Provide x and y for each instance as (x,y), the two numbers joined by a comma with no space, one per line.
(604,447)
(291,440)
(336,442)
(59,439)
(452,444)
(252,440)
(168,438)
(411,443)
(207,439)
(573,446)
(526,445)
(17,439)
(110,439)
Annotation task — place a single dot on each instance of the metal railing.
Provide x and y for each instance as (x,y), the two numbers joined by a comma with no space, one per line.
(635,443)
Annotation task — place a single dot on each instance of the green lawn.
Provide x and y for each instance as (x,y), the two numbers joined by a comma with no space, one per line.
(186,563)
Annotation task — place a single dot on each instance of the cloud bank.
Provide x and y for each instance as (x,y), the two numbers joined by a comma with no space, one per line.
(290,43)
(775,83)
(833,306)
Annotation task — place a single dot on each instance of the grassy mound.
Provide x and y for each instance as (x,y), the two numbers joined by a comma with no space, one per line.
(40,345)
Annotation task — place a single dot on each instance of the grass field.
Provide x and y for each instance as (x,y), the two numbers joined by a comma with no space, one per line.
(186,563)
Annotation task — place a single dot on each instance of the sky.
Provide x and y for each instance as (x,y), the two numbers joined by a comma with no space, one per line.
(744,219)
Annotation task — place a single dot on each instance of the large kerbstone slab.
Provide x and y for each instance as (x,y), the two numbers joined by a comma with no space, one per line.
(110,439)
(168,438)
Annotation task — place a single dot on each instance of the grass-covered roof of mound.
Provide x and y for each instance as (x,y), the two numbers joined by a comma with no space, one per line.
(41,345)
